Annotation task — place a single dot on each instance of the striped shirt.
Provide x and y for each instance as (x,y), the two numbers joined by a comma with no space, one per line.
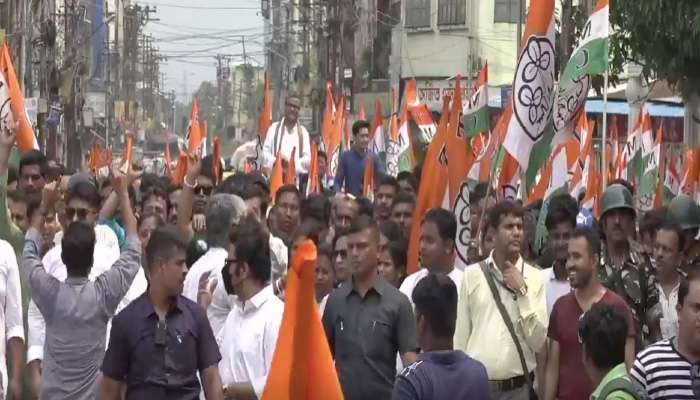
(663,372)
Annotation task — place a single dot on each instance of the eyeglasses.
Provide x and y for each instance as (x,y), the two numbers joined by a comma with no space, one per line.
(230,261)
(695,379)
(203,190)
(81,212)
(340,253)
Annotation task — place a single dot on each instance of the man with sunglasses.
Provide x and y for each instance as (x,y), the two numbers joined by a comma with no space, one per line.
(198,186)
(249,336)
(564,380)
(340,258)
(670,369)
(286,135)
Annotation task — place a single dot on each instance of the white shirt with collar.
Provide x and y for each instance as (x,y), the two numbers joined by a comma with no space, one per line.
(104,255)
(287,141)
(10,305)
(222,302)
(210,261)
(249,338)
(554,288)
(412,280)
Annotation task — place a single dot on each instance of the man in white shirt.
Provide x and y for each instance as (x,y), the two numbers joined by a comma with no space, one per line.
(249,336)
(286,135)
(437,249)
(12,328)
(82,204)
(668,254)
(222,212)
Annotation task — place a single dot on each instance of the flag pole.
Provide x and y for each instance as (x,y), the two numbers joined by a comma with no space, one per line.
(604,167)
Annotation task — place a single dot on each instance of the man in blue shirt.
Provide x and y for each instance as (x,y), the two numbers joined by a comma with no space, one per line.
(351,169)
(440,372)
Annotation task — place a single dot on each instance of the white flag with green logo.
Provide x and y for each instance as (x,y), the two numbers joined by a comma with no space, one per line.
(589,58)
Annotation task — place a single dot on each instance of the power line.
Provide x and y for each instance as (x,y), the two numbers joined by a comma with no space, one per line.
(165,5)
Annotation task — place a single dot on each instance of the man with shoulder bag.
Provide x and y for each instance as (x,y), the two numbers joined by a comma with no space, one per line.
(502,311)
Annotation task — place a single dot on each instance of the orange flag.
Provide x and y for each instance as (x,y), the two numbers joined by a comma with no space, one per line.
(195,136)
(99,158)
(459,156)
(368,178)
(432,192)
(276,178)
(592,198)
(328,117)
(216,159)
(302,366)
(690,171)
(362,114)
(335,134)
(128,153)
(291,176)
(168,157)
(11,92)
(313,184)
(205,132)
(266,114)
(180,169)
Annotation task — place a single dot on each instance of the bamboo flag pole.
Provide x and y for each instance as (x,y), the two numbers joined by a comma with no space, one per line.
(604,167)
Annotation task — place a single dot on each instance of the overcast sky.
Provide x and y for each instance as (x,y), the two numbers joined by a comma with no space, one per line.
(192,33)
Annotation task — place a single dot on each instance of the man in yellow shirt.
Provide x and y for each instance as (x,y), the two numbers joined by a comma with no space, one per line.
(503,285)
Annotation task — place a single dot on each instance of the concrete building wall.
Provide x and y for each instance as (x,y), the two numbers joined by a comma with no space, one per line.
(445,51)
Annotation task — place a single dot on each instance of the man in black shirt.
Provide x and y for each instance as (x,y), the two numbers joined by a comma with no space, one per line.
(161,340)
(368,321)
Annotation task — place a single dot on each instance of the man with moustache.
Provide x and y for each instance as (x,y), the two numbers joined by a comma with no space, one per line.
(502,310)
(367,321)
(287,213)
(564,379)
(668,255)
(625,271)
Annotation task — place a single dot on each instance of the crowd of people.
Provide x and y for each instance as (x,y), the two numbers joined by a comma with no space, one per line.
(130,286)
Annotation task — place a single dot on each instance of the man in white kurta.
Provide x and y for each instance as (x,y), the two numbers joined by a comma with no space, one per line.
(286,135)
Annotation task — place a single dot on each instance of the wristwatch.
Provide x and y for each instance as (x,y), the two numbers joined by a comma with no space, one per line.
(522,291)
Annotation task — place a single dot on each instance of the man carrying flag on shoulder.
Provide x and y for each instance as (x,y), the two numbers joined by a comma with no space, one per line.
(286,135)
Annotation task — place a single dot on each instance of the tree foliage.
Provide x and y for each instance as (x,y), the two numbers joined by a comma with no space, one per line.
(663,36)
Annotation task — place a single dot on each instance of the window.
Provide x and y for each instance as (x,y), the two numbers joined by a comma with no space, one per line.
(507,11)
(452,12)
(417,14)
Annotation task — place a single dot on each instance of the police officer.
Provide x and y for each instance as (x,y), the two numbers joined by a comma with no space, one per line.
(625,271)
(687,213)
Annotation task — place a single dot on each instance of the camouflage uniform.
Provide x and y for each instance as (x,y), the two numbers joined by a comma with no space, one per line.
(635,282)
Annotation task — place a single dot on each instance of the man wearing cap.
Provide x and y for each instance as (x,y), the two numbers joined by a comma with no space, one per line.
(686,212)
(625,271)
